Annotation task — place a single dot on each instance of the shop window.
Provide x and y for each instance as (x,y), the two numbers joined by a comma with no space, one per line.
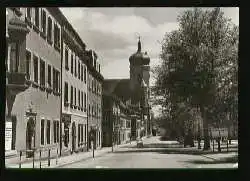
(28,60)
(42,131)
(35,59)
(58,129)
(48,132)
(79,131)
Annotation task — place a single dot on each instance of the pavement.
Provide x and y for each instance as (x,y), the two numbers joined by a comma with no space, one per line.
(154,154)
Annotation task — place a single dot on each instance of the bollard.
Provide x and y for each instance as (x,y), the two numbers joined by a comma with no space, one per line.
(213,145)
(49,157)
(20,159)
(33,158)
(40,155)
(56,155)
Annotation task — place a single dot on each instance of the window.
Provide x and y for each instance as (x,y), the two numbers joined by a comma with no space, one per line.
(72,63)
(75,67)
(99,68)
(49,75)
(71,96)
(48,132)
(43,16)
(35,59)
(49,33)
(82,99)
(81,72)
(37,17)
(79,131)
(85,76)
(66,59)
(56,131)
(54,126)
(75,97)
(56,37)
(85,131)
(56,75)
(85,102)
(42,132)
(29,13)
(14,57)
(79,100)
(42,73)
(66,92)
(28,59)
(57,125)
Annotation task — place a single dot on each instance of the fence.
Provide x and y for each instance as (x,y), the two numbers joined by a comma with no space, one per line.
(39,154)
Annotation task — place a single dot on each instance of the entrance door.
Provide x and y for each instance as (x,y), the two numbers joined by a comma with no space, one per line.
(73,136)
(30,136)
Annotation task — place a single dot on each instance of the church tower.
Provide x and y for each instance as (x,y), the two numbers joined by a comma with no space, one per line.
(139,82)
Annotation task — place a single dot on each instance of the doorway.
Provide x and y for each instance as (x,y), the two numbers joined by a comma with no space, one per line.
(73,137)
(30,136)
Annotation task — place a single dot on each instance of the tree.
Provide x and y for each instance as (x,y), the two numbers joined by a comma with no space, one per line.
(198,60)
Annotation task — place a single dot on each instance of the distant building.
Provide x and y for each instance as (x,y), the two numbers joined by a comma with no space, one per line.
(132,94)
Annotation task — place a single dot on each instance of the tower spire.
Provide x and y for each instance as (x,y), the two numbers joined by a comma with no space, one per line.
(139,45)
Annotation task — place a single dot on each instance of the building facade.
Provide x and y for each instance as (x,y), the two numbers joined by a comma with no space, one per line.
(116,121)
(36,109)
(16,79)
(51,80)
(74,94)
(95,80)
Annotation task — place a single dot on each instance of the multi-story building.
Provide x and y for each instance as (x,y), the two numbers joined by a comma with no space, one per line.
(94,96)
(35,110)
(74,94)
(116,119)
(16,79)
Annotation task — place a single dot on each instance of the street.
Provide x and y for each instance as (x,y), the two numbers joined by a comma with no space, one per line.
(127,157)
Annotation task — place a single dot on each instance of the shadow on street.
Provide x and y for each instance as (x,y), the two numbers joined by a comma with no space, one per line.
(232,159)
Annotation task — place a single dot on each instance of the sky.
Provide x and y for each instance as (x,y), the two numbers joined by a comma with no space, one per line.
(113,33)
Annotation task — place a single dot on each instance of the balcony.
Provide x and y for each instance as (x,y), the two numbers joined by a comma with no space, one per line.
(16,82)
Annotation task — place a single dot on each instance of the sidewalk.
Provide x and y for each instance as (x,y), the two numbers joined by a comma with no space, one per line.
(67,159)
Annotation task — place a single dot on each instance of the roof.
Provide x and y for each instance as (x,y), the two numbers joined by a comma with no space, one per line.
(119,87)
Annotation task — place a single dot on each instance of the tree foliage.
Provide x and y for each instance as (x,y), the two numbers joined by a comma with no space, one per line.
(200,65)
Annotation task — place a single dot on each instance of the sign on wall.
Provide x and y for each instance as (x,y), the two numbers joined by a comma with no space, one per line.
(8,135)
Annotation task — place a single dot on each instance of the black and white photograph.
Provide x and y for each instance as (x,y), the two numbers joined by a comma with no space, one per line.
(121,87)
